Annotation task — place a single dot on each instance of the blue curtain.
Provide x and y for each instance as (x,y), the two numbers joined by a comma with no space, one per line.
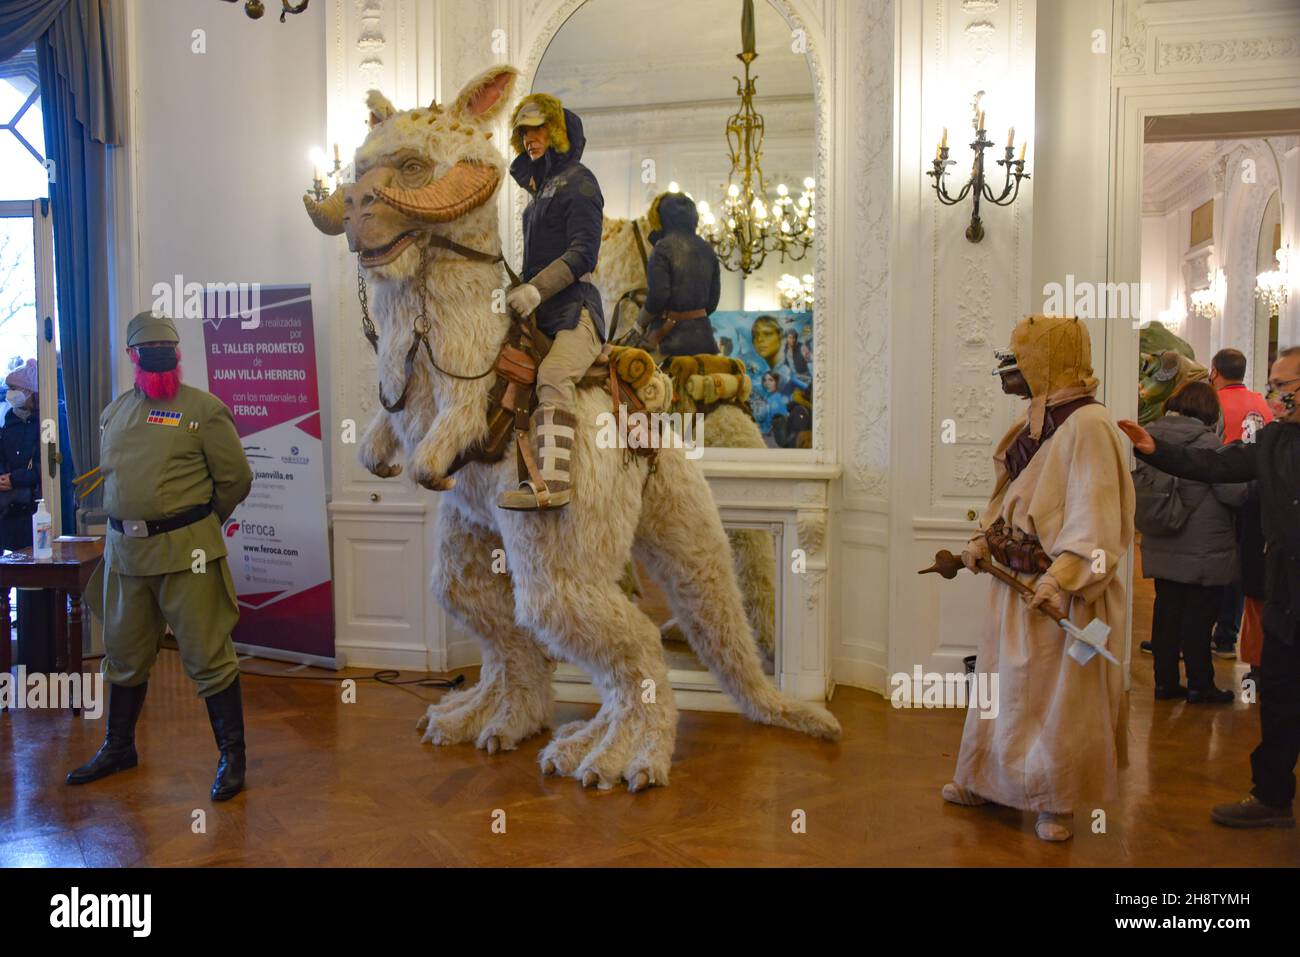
(79,72)
(22,21)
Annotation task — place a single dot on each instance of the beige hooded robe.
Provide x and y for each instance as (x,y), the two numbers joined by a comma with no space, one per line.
(1054,743)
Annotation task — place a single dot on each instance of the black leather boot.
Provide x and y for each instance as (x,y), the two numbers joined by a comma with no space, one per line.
(226,712)
(118,750)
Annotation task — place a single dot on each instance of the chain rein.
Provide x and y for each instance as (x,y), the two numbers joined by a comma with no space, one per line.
(420,327)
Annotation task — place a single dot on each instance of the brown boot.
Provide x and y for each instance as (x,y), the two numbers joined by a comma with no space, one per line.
(554,431)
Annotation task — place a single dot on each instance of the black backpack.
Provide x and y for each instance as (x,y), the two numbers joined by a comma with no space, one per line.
(1160,509)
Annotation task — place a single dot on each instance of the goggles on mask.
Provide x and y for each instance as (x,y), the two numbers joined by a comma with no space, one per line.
(157,358)
(1006,361)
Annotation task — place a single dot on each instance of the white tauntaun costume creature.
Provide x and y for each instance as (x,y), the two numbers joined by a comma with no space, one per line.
(620,275)
(426,178)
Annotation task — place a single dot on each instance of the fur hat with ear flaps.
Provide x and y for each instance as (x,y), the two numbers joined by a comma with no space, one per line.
(1054,354)
(552,110)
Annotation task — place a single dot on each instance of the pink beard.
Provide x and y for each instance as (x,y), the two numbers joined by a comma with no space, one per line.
(158,385)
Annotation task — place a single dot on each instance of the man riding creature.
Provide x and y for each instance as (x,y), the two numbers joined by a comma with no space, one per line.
(421,219)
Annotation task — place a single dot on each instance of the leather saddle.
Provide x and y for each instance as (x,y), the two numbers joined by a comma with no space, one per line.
(513,396)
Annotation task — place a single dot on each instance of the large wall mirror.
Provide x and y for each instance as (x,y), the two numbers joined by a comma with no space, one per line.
(655,85)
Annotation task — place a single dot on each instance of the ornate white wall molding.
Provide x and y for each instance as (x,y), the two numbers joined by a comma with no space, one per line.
(955,302)
(865,187)
(1161,37)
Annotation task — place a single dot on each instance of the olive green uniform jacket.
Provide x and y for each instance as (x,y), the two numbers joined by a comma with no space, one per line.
(160,458)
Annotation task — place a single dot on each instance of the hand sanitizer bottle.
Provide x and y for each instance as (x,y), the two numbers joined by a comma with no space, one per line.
(42,544)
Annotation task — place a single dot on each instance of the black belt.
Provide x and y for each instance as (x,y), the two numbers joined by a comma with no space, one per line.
(141,528)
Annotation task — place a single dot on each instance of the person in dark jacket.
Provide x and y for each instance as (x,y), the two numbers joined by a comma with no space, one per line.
(562,227)
(1192,565)
(683,282)
(1273,460)
(20,473)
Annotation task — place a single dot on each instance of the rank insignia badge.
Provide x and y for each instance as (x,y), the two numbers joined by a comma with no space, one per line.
(194,425)
(164,417)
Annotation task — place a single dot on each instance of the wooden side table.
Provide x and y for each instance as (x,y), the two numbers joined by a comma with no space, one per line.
(66,574)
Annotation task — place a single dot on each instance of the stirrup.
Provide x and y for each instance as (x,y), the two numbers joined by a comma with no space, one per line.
(529,498)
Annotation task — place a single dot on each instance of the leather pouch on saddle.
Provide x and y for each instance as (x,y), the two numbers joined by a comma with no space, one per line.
(1013,549)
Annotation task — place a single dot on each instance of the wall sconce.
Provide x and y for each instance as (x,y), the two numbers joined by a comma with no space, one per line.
(1273,288)
(1208,302)
(976,186)
(255,9)
(323,183)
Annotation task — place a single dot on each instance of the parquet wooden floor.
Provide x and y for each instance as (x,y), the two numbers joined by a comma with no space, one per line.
(350,784)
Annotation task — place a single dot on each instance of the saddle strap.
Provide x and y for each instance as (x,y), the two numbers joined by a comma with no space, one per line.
(530,468)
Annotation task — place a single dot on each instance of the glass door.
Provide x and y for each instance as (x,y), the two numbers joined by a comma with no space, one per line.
(28,318)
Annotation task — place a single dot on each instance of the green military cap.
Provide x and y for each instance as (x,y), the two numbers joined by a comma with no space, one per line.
(146,327)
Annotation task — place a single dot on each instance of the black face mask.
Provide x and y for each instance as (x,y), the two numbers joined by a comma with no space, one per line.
(157,358)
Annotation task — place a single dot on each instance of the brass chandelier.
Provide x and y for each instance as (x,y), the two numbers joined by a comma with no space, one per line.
(748,225)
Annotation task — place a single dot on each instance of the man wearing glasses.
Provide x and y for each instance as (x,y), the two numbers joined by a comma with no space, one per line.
(1273,459)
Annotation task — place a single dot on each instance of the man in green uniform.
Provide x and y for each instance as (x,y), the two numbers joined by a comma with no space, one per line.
(174,470)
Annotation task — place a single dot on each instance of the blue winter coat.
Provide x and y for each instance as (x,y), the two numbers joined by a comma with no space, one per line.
(19,451)
(682,275)
(563,220)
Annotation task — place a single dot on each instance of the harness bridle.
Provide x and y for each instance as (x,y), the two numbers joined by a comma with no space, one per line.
(420,325)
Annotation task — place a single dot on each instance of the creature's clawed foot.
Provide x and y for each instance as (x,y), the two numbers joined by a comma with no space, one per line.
(425,473)
(632,744)
(494,715)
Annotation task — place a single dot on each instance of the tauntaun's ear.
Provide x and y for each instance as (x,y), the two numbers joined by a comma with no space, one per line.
(487,94)
(380,108)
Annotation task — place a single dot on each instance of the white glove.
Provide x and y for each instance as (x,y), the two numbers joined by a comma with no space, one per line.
(976,549)
(523,300)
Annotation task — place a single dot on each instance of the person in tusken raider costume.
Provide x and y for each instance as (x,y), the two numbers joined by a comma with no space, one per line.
(1061,518)
(683,283)
(562,226)
(174,469)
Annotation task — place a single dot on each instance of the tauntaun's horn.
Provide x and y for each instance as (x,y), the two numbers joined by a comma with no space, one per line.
(464,187)
(326,215)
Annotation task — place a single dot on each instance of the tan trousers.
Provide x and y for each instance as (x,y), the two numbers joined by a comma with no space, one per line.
(571,355)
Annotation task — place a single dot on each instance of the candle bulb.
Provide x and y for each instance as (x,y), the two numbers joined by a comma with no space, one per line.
(944,142)
(1011,137)
(1023,144)
(981,122)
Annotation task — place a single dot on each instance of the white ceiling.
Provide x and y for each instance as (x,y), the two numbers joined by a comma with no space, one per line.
(1168,167)
(613,53)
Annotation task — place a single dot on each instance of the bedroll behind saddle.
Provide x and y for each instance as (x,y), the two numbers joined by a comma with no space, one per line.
(703,382)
